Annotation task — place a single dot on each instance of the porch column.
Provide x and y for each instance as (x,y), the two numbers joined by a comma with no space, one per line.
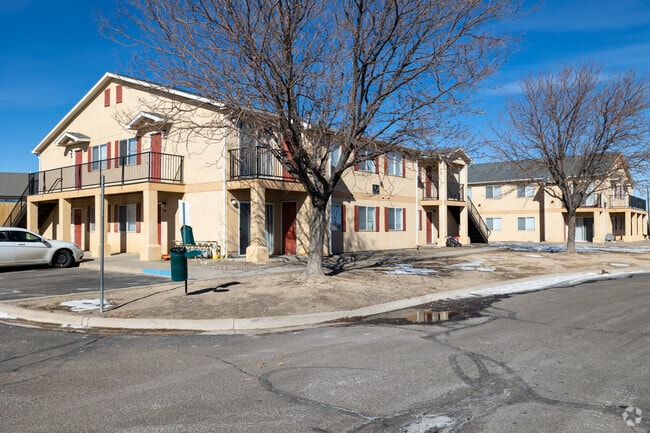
(627,237)
(95,235)
(32,216)
(257,250)
(599,234)
(442,210)
(150,249)
(65,220)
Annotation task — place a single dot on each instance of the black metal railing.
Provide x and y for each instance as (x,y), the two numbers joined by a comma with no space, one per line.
(256,162)
(455,191)
(637,203)
(137,168)
(479,222)
(19,209)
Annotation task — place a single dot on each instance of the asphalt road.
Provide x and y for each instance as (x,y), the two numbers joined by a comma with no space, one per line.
(17,283)
(560,360)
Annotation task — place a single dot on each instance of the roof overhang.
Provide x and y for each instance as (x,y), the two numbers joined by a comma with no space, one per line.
(74,139)
(146,120)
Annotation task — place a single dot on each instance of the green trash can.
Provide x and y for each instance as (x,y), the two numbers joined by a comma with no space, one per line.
(187,235)
(178,261)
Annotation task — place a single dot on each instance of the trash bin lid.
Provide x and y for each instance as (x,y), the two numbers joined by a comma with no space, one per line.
(178,250)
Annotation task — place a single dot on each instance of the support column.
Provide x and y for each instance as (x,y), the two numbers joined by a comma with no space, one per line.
(257,250)
(32,216)
(599,235)
(463,232)
(65,220)
(627,237)
(95,235)
(443,229)
(150,249)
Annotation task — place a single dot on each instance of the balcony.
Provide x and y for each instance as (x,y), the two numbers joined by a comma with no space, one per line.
(256,162)
(137,168)
(627,201)
(455,192)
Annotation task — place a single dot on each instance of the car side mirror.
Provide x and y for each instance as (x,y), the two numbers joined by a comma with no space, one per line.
(46,243)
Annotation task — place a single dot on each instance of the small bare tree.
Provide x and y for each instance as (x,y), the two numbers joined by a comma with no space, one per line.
(314,74)
(575,125)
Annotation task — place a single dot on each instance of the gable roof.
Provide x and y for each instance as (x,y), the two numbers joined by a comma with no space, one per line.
(12,185)
(509,171)
(108,77)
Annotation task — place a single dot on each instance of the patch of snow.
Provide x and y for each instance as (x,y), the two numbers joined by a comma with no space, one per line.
(581,248)
(406,269)
(429,423)
(466,266)
(620,265)
(486,269)
(537,256)
(81,305)
(69,326)
(4,315)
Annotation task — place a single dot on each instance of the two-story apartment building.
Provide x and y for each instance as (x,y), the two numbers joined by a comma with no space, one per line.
(169,156)
(517,208)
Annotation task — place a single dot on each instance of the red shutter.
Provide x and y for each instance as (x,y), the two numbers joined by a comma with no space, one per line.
(377,164)
(117,153)
(138,150)
(377,217)
(419,220)
(108,155)
(138,217)
(356,167)
(386,228)
(356,218)
(118,94)
(108,218)
(107,97)
(90,158)
(403,166)
(116,218)
(404,219)
(343,218)
(386,164)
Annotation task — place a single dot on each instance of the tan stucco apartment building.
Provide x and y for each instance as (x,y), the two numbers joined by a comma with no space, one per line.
(163,150)
(517,209)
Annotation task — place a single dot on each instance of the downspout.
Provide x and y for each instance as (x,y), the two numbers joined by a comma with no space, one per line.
(416,214)
(224,245)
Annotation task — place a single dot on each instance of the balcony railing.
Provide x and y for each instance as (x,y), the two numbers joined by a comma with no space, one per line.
(256,162)
(137,168)
(455,192)
(611,201)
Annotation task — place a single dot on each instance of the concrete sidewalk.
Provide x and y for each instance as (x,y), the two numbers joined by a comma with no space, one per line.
(221,307)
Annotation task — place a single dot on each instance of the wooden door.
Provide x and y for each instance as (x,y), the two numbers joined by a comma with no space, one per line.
(77,222)
(289,227)
(429,227)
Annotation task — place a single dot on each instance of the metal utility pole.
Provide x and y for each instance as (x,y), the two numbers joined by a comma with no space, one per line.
(101,247)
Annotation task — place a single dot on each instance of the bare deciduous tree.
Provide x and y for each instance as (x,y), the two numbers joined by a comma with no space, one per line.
(312,73)
(573,125)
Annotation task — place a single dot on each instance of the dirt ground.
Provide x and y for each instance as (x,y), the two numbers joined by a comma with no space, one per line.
(275,289)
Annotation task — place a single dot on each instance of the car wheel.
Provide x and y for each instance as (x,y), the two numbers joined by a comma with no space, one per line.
(62,259)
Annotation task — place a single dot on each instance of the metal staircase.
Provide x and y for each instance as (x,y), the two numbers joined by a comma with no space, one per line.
(478,231)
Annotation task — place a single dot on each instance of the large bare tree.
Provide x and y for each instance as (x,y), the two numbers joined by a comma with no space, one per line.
(572,126)
(317,74)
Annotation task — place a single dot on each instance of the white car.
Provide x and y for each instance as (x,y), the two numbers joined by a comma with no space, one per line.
(22,247)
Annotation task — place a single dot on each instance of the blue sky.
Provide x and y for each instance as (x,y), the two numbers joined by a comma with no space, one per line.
(52,54)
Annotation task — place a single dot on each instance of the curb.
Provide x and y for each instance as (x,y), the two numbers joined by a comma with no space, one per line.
(9,313)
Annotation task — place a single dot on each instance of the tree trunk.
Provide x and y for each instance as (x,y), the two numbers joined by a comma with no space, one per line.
(571,232)
(318,225)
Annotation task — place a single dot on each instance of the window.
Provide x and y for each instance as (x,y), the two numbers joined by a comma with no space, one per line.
(394,164)
(98,157)
(367,165)
(395,219)
(91,218)
(493,224)
(526,191)
(128,151)
(366,218)
(335,155)
(127,218)
(337,218)
(469,192)
(493,191)
(526,223)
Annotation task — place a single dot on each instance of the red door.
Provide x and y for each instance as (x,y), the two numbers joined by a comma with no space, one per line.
(76,218)
(289,227)
(156,156)
(429,227)
(428,180)
(159,223)
(78,160)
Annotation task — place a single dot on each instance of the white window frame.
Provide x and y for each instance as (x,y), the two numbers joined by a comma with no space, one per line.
(528,223)
(395,218)
(91,219)
(99,156)
(494,224)
(368,165)
(367,221)
(526,191)
(131,224)
(395,164)
(495,192)
(128,150)
(335,155)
